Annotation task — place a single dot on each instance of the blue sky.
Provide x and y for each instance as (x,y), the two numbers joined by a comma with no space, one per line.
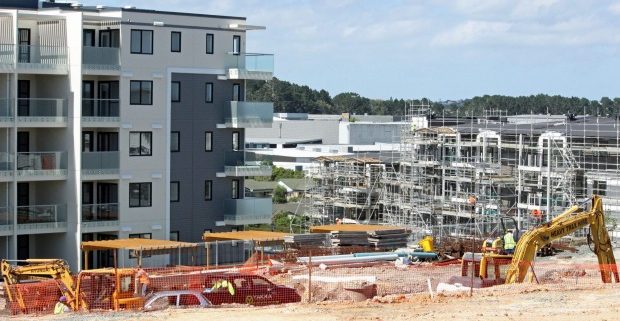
(440,49)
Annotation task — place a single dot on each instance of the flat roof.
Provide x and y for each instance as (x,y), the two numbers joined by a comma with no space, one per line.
(353,228)
(134,244)
(244,236)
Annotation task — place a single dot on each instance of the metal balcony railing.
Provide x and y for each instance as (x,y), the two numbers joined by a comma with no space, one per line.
(100,212)
(46,57)
(102,58)
(42,164)
(100,163)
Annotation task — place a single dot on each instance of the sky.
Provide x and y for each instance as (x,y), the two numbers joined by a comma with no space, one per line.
(439,49)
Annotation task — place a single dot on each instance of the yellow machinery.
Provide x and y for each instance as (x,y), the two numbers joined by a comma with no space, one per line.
(39,269)
(564,224)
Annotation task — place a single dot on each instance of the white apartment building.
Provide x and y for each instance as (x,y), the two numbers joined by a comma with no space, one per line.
(86,105)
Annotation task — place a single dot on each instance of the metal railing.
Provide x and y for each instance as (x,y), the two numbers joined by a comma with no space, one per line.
(248,210)
(42,216)
(41,110)
(248,170)
(250,61)
(100,212)
(42,163)
(106,58)
(100,110)
(48,57)
(94,163)
(7,54)
(246,114)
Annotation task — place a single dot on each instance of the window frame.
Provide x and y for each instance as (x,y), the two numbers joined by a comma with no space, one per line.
(178,139)
(92,35)
(178,197)
(141,103)
(236,140)
(236,89)
(209,184)
(140,133)
(172,33)
(178,84)
(234,189)
(178,234)
(210,135)
(140,194)
(141,31)
(209,99)
(599,187)
(212,44)
(141,236)
(236,38)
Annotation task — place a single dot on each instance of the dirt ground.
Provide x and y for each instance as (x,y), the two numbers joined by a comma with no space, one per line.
(520,303)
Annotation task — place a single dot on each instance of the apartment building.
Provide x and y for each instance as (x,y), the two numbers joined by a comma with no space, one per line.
(121,123)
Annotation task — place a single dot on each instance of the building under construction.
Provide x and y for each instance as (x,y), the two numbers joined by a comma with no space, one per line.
(464,171)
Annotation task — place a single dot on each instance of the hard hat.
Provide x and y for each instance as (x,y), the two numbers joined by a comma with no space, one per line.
(63,299)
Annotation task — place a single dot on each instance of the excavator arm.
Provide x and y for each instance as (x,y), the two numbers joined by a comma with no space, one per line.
(41,268)
(566,223)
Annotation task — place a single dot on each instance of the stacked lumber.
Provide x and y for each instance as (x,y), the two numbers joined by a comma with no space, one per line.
(388,239)
(344,238)
(299,240)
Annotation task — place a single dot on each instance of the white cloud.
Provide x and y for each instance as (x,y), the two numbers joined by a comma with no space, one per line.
(532,8)
(615,8)
(473,31)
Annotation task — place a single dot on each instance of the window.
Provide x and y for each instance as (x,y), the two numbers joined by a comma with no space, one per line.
(235,140)
(208,141)
(174,191)
(174,236)
(141,235)
(235,188)
(176,91)
(209,92)
(210,44)
(236,94)
(88,37)
(236,45)
(175,141)
(208,190)
(140,92)
(142,41)
(599,188)
(140,143)
(175,41)
(140,194)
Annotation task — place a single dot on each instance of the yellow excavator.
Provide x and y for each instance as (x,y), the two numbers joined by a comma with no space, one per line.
(564,224)
(36,270)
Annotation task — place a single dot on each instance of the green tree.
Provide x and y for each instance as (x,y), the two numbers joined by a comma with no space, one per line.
(279,195)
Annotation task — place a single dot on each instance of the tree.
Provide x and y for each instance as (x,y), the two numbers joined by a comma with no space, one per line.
(279,195)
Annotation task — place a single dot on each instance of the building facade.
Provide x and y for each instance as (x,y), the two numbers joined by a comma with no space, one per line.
(110,114)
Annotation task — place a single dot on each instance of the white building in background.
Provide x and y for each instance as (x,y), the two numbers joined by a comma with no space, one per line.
(87,96)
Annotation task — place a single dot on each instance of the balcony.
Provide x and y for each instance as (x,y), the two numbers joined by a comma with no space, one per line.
(6,111)
(33,219)
(100,163)
(42,165)
(255,66)
(247,211)
(41,112)
(7,57)
(42,59)
(6,166)
(245,114)
(100,112)
(96,59)
(100,216)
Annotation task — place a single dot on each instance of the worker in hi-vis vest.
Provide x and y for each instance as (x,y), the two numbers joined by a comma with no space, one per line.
(61,306)
(509,242)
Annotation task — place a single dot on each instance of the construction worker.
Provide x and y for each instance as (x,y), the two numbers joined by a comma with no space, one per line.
(61,306)
(509,242)
(143,279)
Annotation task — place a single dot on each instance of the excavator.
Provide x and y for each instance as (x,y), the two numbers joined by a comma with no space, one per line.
(122,282)
(531,241)
(38,269)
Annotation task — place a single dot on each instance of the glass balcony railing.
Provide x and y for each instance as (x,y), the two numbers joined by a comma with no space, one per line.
(6,217)
(248,210)
(46,57)
(41,110)
(6,165)
(100,212)
(237,166)
(42,216)
(245,114)
(100,163)
(7,54)
(105,58)
(6,109)
(250,61)
(100,110)
(42,164)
